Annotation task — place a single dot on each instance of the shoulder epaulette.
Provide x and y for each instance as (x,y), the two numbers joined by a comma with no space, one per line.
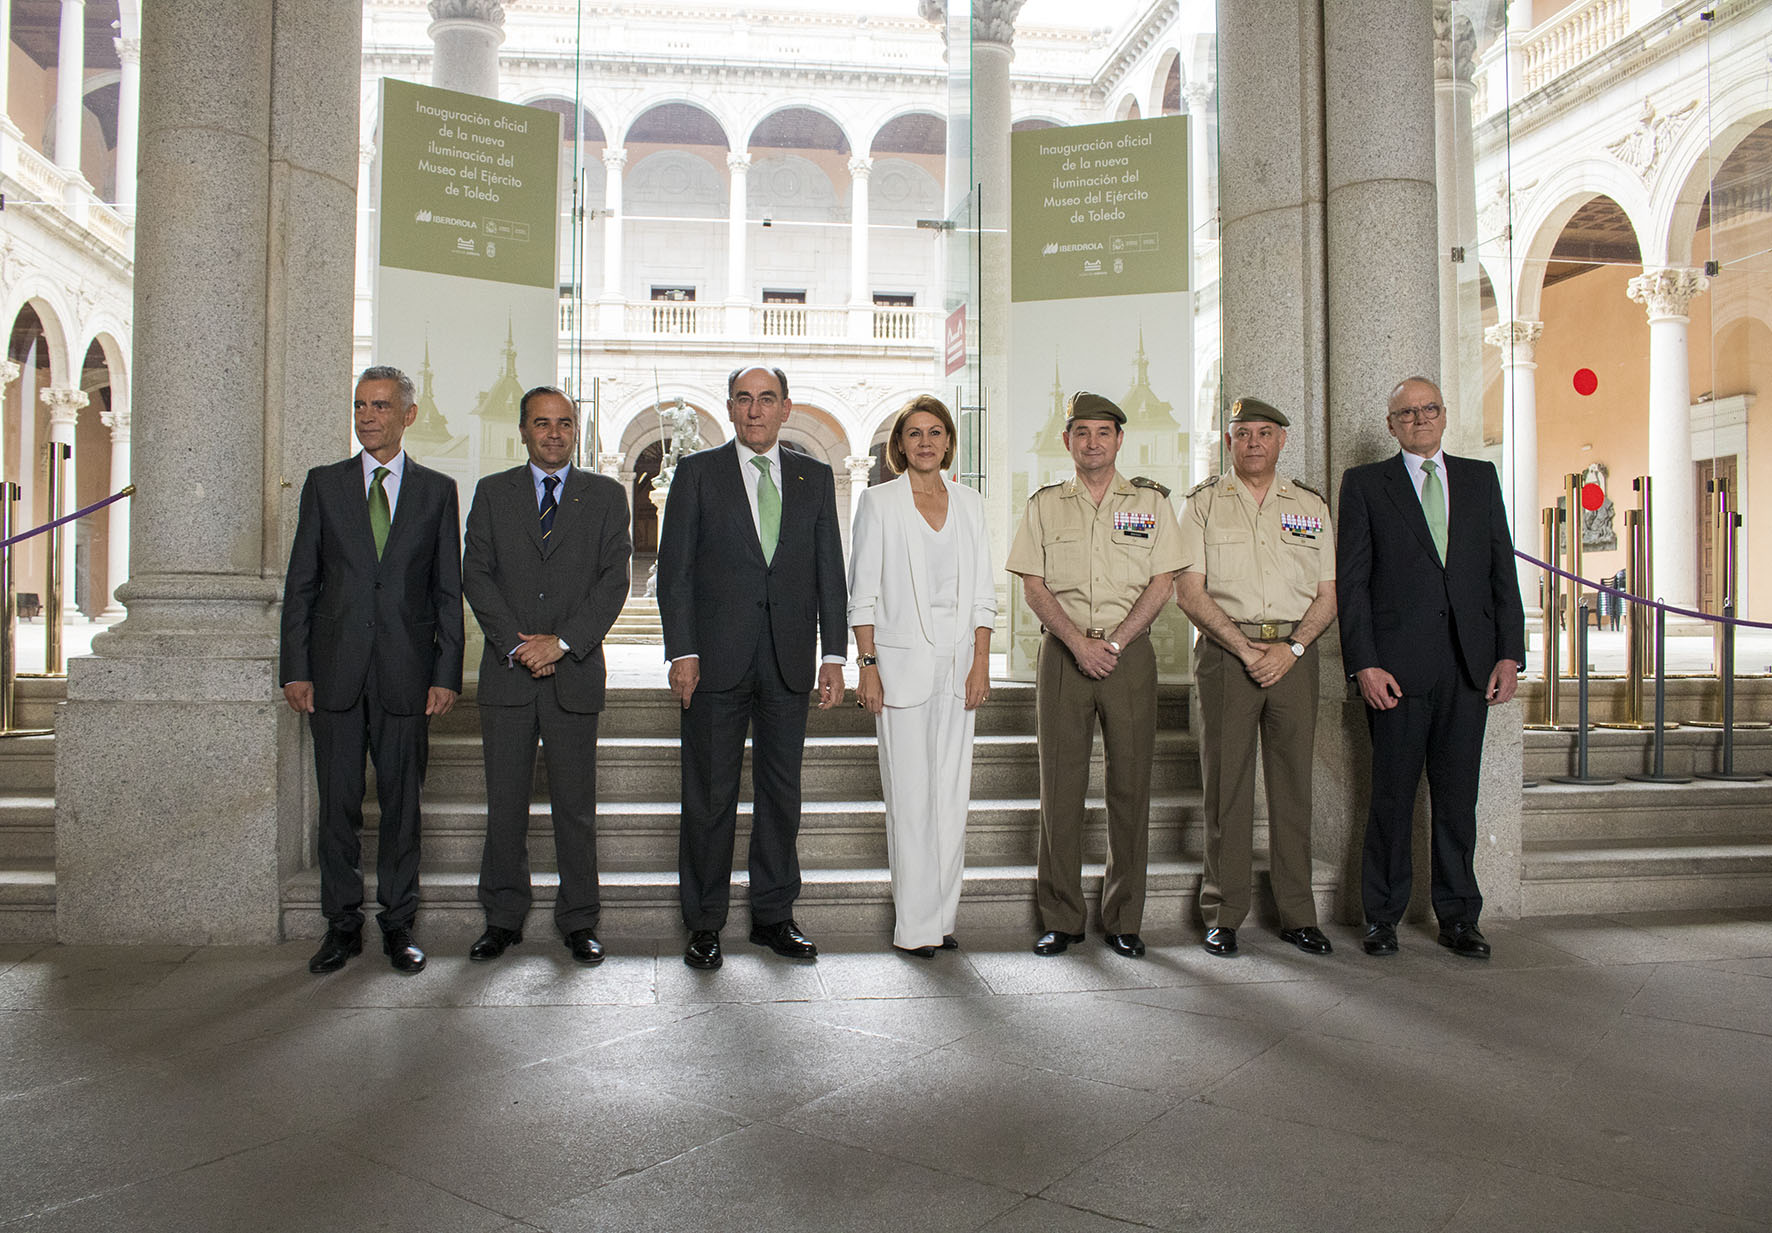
(1203,484)
(1043,487)
(1145,481)
(1298,483)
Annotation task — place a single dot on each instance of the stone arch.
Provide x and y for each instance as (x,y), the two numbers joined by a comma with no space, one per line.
(54,317)
(579,118)
(652,124)
(1028,124)
(1678,197)
(1165,96)
(817,431)
(819,137)
(788,186)
(908,130)
(687,183)
(1552,206)
(1128,108)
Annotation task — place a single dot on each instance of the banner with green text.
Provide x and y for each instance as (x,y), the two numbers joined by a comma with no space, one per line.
(1101,260)
(466,268)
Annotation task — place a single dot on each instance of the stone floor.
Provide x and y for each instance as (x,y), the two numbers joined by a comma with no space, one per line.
(1599,1074)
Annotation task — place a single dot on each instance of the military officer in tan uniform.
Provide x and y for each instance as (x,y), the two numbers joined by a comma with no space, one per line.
(1097,555)
(1258,582)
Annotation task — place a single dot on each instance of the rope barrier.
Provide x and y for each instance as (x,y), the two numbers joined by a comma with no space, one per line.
(128,491)
(1638,599)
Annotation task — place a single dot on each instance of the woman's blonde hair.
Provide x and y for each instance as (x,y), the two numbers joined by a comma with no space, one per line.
(895,455)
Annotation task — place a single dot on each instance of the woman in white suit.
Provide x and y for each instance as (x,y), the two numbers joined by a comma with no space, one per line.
(922,603)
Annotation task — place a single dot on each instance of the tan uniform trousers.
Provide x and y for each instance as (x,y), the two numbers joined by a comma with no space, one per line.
(1234,710)
(1066,704)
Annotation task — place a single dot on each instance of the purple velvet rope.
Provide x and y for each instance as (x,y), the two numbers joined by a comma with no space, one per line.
(1638,599)
(79,513)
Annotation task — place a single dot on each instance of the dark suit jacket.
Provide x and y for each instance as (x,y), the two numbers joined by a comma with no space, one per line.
(713,584)
(573,585)
(347,614)
(1391,590)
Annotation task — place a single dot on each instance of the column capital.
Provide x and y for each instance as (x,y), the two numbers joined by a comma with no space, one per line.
(1455,45)
(9,371)
(117,420)
(993,21)
(366,152)
(128,50)
(1198,94)
(490,12)
(860,167)
(64,403)
(738,164)
(1667,293)
(615,158)
(610,464)
(1517,340)
(859,465)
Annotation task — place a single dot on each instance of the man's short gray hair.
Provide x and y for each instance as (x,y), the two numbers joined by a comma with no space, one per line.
(387,372)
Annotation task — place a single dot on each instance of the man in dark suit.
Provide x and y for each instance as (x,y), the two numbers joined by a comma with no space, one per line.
(1433,630)
(750,583)
(546,573)
(372,646)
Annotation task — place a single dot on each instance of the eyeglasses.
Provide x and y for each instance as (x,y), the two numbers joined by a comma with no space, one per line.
(1427,412)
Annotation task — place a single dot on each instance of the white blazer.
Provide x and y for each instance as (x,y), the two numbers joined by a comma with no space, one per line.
(889,586)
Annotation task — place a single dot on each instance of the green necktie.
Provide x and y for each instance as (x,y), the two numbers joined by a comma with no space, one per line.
(1433,504)
(379,520)
(768,508)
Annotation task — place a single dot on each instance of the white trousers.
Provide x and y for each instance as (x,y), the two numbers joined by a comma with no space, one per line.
(926,780)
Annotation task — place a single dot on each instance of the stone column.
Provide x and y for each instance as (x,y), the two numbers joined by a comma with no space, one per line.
(1461,314)
(64,411)
(1518,342)
(610,464)
(738,297)
(1666,294)
(129,51)
(70,81)
(117,540)
(466,35)
(859,465)
(1202,215)
(9,369)
(612,305)
(183,788)
(861,294)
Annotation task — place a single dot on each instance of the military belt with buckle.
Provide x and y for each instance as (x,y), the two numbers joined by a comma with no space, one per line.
(1267,631)
(1092,632)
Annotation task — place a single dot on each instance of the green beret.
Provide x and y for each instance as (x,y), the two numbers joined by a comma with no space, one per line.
(1245,410)
(1086,406)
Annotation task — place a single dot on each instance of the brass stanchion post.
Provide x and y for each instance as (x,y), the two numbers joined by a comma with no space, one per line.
(9,493)
(1551,519)
(52,592)
(1581,775)
(1725,583)
(1636,636)
(1571,505)
(1645,586)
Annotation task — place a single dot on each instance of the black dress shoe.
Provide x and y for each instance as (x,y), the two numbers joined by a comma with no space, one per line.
(1381,938)
(785,939)
(921,952)
(950,942)
(337,947)
(1128,944)
(1221,942)
(1464,938)
(1055,942)
(1309,939)
(402,951)
(492,943)
(703,950)
(584,947)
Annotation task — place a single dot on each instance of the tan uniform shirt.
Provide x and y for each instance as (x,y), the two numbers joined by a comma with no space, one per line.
(1096,560)
(1262,562)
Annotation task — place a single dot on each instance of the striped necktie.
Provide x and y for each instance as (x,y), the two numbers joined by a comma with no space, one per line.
(379,518)
(1433,504)
(549,506)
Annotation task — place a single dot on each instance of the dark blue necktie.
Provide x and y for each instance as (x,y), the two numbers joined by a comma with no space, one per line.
(549,506)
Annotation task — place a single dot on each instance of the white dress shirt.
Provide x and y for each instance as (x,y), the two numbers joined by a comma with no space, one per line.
(390,483)
(1417,477)
(753,477)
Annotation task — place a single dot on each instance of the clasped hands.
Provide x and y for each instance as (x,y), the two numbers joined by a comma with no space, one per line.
(1267,662)
(538,653)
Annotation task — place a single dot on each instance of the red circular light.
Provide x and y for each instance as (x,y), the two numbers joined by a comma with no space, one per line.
(1586,382)
(1592,497)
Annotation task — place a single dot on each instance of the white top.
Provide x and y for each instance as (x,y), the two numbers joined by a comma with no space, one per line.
(1417,477)
(390,483)
(941,560)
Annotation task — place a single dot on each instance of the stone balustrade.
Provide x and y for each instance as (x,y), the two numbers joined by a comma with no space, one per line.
(1571,37)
